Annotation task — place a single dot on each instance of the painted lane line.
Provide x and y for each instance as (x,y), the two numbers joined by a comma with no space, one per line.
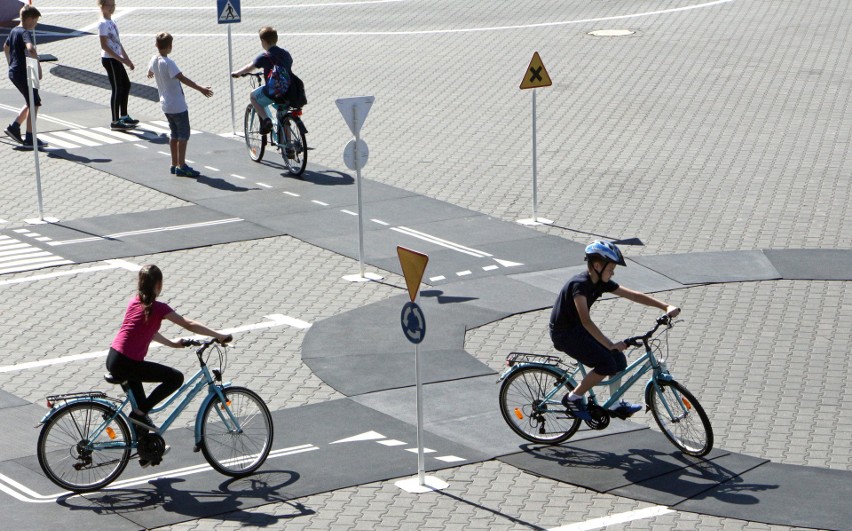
(25,494)
(273,320)
(211,168)
(439,277)
(489,268)
(141,146)
(425,450)
(3,221)
(380,222)
(43,239)
(57,142)
(118,135)
(6,250)
(464,273)
(264,185)
(291,194)
(621,518)
(21,252)
(238,176)
(190,161)
(77,139)
(319,202)
(103,139)
(147,231)
(164,153)
(441,242)
(451,459)
(48,276)
(349,212)
(392,442)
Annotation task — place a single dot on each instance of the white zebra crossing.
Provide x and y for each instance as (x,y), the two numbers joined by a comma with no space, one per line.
(17,256)
(99,136)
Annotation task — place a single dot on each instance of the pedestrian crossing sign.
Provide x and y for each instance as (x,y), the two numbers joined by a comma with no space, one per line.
(536,75)
(228,11)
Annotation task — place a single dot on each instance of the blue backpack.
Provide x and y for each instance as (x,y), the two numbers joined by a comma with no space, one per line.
(278,80)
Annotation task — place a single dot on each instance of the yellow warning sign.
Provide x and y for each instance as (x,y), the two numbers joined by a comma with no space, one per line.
(536,75)
(413,265)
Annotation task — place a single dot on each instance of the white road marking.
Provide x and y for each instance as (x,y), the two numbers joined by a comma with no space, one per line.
(630,516)
(264,185)
(238,176)
(489,268)
(17,256)
(348,212)
(164,153)
(292,194)
(151,128)
(380,222)
(464,273)
(118,135)
(56,142)
(507,263)
(319,202)
(366,436)
(442,242)
(77,139)
(211,168)
(103,139)
(147,231)
(425,450)
(451,459)
(141,146)
(272,321)
(439,277)
(392,442)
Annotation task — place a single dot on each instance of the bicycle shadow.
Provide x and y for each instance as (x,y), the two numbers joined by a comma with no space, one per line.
(228,502)
(673,474)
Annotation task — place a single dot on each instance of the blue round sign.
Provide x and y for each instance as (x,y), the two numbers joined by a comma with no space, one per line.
(413,322)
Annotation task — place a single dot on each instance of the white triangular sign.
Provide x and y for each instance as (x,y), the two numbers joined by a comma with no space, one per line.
(355,110)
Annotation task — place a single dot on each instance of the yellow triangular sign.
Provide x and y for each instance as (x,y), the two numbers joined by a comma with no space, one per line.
(413,265)
(536,75)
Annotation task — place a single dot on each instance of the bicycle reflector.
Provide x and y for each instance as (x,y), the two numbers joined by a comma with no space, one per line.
(519,414)
(686,402)
(49,404)
(296,112)
(110,432)
(223,407)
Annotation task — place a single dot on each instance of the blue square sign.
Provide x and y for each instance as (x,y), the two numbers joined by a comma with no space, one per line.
(228,11)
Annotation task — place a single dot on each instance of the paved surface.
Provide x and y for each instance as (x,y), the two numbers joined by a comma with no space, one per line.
(729,122)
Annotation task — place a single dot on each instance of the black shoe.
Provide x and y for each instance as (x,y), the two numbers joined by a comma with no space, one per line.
(265,126)
(129,121)
(143,421)
(121,125)
(14,133)
(28,142)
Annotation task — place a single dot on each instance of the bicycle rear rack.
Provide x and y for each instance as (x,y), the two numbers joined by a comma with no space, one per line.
(525,357)
(53,399)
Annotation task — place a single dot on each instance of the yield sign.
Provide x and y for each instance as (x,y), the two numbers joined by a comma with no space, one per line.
(354,111)
(536,75)
(413,265)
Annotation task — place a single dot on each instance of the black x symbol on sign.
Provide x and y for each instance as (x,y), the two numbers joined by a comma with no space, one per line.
(536,74)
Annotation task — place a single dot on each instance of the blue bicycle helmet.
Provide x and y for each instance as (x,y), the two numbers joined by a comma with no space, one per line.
(605,250)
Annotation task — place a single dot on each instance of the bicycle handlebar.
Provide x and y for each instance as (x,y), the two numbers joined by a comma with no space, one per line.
(204,344)
(638,341)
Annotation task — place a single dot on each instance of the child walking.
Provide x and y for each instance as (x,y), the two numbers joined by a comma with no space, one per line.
(169,78)
(114,58)
(18,46)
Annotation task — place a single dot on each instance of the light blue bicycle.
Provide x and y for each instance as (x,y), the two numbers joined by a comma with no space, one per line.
(533,387)
(86,440)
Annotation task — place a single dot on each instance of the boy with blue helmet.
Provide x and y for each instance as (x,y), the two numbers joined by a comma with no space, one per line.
(573,331)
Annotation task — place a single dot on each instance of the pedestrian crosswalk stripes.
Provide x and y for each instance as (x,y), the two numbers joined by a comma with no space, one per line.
(99,136)
(17,256)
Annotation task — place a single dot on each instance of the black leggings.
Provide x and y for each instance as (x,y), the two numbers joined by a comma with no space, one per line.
(120,84)
(136,372)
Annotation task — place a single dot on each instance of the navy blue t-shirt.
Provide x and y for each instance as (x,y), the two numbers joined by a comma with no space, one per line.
(564,315)
(280,56)
(17,40)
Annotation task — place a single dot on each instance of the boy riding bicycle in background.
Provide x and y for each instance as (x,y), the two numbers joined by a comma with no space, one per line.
(573,331)
(271,57)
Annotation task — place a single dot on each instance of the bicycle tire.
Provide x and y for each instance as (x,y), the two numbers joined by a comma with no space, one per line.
(230,453)
(297,143)
(520,403)
(62,447)
(255,142)
(683,431)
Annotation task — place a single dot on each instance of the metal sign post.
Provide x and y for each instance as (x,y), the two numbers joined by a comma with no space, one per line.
(228,12)
(355,155)
(33,82)
(535,77)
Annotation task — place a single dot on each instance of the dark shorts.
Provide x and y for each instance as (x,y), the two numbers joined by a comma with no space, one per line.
(580,345)
(179,125)
(21,85)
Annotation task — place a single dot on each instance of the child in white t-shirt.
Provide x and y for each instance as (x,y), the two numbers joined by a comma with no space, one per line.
(169,79)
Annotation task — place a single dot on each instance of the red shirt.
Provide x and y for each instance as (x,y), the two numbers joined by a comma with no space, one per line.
(136,332)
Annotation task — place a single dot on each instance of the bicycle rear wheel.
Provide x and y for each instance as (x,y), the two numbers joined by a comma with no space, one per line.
(294,150)
(230,451)
(70,457)
(680,416)
(255,141)
(525,410)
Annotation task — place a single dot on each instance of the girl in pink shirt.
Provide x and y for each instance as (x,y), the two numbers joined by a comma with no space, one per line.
(141,325)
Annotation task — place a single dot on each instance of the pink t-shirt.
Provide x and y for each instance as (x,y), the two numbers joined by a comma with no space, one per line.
(136,332)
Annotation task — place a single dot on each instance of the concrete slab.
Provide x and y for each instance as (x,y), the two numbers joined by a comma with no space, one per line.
(712,267)
(812,264)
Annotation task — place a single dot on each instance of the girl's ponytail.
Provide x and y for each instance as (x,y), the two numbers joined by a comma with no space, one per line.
(149,277)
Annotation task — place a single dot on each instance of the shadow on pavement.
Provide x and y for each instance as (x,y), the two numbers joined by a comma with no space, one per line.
(78,75)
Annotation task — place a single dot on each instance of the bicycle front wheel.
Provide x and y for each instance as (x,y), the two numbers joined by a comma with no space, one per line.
(681,417)
(294,145)
(255,142)
(526,410)
(238,449)
(72,458)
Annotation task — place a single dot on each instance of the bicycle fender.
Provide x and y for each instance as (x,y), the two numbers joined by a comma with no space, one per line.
(212,394)
(650,387)
(56,409)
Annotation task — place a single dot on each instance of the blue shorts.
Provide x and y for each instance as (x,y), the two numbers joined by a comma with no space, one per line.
(580,345)
(23,88)
(179,125)
(261,97)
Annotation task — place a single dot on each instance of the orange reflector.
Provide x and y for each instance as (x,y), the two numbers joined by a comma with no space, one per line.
(686,402)
(110,432)
(519,414)
(223,407)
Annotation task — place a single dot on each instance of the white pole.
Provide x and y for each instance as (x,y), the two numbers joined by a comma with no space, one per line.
(231,69)
(534,168)
(33,74)
(421,465)
(356,127)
